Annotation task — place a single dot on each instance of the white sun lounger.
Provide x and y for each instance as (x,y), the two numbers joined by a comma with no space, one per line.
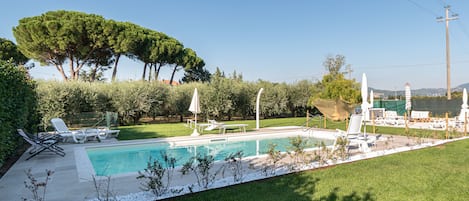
(241,127)
(78,136)
(223,127)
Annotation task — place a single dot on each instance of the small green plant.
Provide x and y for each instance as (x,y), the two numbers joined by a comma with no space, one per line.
(201,167)
(235,165)
(340,149)
(158,175)
(103,189)
(296,151)
(274,157)
(322,155)
(34,185)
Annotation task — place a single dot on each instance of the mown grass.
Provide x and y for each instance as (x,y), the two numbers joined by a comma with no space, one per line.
(438,173)
(179,129)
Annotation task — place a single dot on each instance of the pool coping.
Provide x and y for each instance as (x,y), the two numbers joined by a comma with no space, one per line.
(86,171)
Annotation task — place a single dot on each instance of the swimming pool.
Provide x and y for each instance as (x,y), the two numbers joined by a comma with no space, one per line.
(132,158)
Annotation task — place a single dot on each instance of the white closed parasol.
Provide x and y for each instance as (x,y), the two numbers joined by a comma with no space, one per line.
(195,108)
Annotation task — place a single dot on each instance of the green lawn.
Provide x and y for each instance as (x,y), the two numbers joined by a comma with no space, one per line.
(438,173)
(179,129)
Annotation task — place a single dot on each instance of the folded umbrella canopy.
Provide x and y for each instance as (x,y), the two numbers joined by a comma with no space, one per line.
(195,109)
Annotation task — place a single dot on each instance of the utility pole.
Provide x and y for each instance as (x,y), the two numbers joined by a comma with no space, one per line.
(448,65)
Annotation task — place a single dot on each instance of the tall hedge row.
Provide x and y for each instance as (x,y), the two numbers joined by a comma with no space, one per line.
(222,98)
(17,107)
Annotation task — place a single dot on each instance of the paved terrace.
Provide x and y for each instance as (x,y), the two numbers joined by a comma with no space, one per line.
(72,179)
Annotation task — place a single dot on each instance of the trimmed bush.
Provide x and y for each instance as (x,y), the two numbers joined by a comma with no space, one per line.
(17,107)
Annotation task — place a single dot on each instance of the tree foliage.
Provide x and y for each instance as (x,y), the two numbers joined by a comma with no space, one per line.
(61,37)
(197,74)
(340,88)
(76,39)
(9,51)
(222,98)
(334,64)
(17,106)
(334,85)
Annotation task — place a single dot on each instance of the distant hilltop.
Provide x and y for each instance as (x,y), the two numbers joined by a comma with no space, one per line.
(420,92)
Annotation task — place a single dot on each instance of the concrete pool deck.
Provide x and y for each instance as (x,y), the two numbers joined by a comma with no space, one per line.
(68,183)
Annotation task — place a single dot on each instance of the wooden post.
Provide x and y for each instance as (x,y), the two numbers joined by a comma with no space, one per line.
(346,123)
(307,118)
(324,122)
(465,123)
(406,125)
(447,122)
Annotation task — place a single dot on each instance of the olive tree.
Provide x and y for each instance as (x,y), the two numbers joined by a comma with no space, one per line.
(298,96)
(219,100)
(274,100)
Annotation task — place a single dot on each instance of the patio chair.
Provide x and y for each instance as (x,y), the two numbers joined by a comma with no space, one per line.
(213,124)
(354,127)
(391,118)
(78,136)
(354,135)
(39,145)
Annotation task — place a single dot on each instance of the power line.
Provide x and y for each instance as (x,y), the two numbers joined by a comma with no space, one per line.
(423,8)
(380,67)
(443,3)
(400,66)
(463,28)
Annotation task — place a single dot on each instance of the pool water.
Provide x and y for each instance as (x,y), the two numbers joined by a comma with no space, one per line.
(132,158)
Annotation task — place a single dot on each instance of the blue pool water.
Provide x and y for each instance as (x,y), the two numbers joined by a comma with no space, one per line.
(133,158)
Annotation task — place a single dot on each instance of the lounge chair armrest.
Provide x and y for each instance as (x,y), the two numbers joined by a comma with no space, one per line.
(341,133)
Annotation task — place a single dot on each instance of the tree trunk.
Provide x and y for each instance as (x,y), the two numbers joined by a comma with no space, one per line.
(114,71)
(72,70)
(172,75)
(144,71)
(157,70)
(93,73)
(149,71)
(78,68)
(61,71)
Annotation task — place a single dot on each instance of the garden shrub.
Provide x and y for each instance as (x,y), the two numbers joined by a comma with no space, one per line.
(17,107)
(220,99)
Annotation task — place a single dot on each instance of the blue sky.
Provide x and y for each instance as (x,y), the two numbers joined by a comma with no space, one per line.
(393,42)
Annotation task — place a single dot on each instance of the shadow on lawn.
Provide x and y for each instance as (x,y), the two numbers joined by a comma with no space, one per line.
(333,196)
(297,187)
(305,188)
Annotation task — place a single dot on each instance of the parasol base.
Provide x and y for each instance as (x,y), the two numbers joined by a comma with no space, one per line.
(195,133)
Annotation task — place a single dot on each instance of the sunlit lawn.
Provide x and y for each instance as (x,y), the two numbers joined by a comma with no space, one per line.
(438,173)
(180,129)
